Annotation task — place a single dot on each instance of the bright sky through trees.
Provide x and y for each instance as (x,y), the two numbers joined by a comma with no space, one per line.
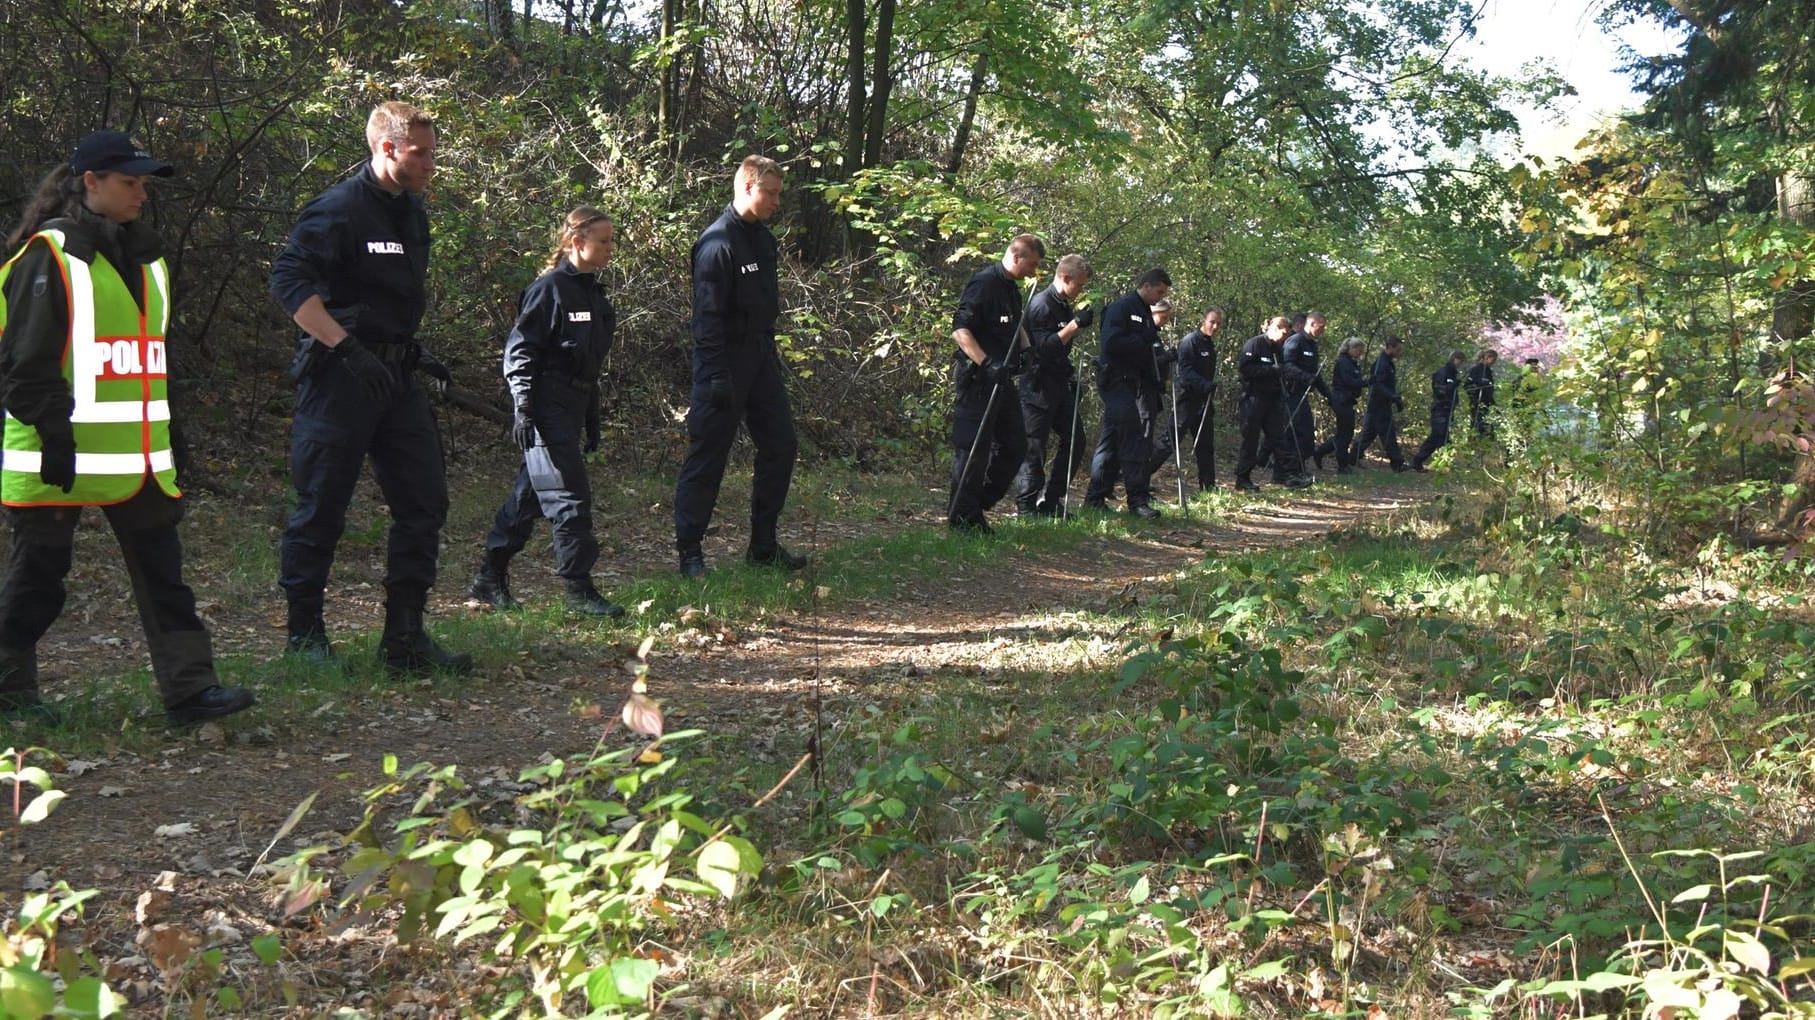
(1566,37)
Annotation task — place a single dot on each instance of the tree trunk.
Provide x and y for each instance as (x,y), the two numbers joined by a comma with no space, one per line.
(882,79)
(498,16)
(854,120)
(1793,305)
(669,91)
(979,71)
(1790,322)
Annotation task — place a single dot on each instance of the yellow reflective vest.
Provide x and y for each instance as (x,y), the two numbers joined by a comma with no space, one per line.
(115,364)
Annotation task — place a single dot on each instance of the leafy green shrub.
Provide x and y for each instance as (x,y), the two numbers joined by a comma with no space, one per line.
(32,962)
(563,880)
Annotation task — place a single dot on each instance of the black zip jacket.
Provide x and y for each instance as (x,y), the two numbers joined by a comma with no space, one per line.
(1383,381)
(32,387)
(736,295)
(1196,365)
(1047,313)
(1127,345)
(552,359)
(990,308)
(1300,366)
(1480,385)
(1346,381)
(365,252)
(1443,389)
(1259,369)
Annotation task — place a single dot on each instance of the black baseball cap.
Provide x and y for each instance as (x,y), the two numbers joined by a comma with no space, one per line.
(113,150)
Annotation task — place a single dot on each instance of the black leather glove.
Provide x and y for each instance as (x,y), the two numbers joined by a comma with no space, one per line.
(179,452)
(365,367)
(998,372)
(57,461)
(1085,317)
(719,393)
(592,433)
(522,430)
(1164,355)
(1399,404)
(439,377)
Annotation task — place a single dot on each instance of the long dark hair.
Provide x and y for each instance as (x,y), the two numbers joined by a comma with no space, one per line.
(56,193)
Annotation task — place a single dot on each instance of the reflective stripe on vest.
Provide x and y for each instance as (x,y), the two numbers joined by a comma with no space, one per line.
(116,366)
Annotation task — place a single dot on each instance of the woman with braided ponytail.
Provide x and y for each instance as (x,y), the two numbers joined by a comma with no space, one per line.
(552,361)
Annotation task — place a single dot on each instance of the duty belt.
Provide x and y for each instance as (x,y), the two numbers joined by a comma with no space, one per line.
(392,353)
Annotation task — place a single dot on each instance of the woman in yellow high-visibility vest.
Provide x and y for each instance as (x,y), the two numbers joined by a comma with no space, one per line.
(84,303)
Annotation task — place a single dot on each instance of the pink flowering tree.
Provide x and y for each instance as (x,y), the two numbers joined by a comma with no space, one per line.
(1541,336)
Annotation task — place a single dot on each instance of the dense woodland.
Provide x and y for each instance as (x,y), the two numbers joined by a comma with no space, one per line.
(1532,740)
(1274,157)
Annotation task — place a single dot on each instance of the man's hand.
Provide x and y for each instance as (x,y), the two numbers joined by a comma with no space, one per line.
(57,459)
(592,433)
(1164,355)
(439,377)
(522,430)
(365,367)
(1399,404)
(1084,317)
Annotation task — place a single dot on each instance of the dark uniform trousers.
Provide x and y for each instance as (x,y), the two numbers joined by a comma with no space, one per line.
(1265,418)
(759,402)
(1301,426)
(1344,435)
(182,656)
(1438,437)
(1000,451)
(1194,421)
(337,426)
(1125,448)
(551,484)
(1379,424)
(1049,410)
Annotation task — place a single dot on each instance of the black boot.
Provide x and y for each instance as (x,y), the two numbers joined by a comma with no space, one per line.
(209,703)
(773,554)
(585,599)
(492,584)
(693,562)
(308,634)
(19,697)
(407,648)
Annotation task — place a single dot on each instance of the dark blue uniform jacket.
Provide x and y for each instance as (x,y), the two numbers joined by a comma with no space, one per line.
(365,251)
(1128,338)
(553,356)
(736,296)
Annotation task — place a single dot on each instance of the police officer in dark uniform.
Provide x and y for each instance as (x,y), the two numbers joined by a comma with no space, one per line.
(1197,381)
(552,361)
(737,373)
(1346,386)
(1049,391)
(1383,400)
(1446,382)
(1480,387)
(353,276)
(1128,381)
(986,416)
(1301,370)
(1263,410)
